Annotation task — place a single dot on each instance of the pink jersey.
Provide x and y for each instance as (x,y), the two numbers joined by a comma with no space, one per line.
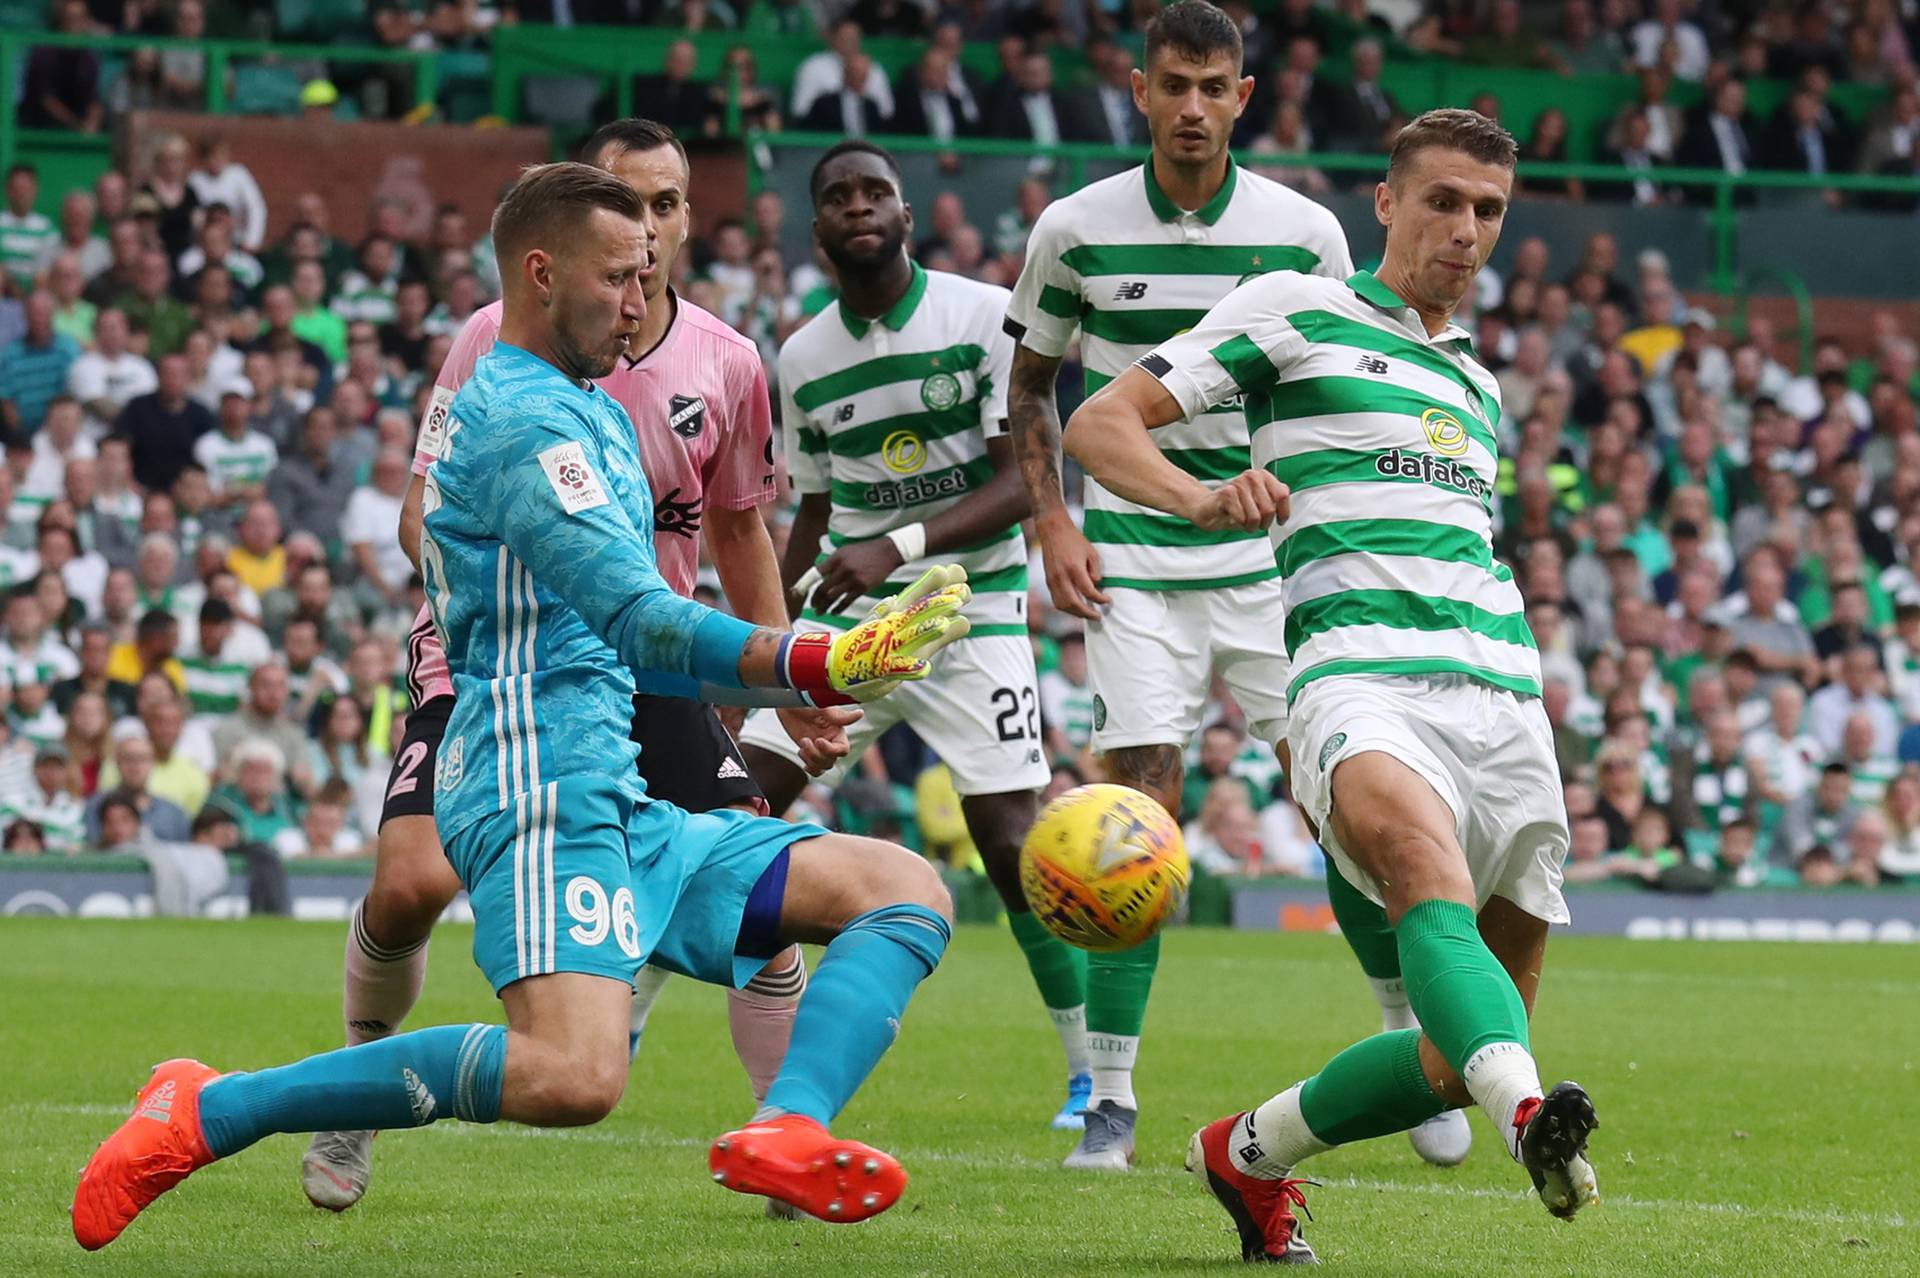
(698,401)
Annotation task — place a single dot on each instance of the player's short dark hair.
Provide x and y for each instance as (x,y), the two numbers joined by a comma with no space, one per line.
(630,134)
(551,199)
(1194,29)
(216,612)
(852,146)
(1453,129)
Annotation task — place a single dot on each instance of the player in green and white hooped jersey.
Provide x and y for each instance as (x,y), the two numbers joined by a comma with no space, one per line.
(893,406)
(1421,747)
(1127,263)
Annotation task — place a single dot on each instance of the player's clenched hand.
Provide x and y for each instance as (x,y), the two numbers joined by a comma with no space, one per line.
(1073,567)
(854,570)
(820,735)
(1250,502)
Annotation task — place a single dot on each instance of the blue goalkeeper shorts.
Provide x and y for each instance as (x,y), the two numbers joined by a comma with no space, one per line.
(577,877)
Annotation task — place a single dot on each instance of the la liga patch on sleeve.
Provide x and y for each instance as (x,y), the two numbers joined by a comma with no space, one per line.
(573,480)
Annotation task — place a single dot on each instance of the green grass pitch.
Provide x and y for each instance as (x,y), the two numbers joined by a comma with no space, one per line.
(1760,1109)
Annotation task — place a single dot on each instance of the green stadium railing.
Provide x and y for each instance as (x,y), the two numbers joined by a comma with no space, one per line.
(221,55)
(1722,218)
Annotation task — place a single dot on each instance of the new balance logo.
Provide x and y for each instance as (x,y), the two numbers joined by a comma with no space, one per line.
(1371,364)
(730,770)
(1131,291)
(159,1106)
(843,414)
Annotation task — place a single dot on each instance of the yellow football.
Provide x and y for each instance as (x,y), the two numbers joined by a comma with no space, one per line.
(1104,867)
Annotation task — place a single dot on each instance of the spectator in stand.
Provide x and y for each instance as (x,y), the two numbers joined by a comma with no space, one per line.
(152,308)
(1117,120)
(341,756)
(1066,702)
(403,342)
(61,88)
(1812,45)
(825,73)
(263,716)
(1856,692)
(77,237)
(1806,137)
(850,109)
(1223,837)
(370,530)
(1032,109)
(1362,108)
(1666,25)
(214,246)
(33,369)
(929,106)
(220,179)
(237,458)
(259,560)
(88,739)
(126,245)
(1846,629)
(164,426)
(1722,137)
(257,798)
(151,651)
(315,596)
(325,829)
(673,97)
(94,678)
(73,314)
(1505,41)
(1892,144)
(49,804)
(173,202)
(312,489)
(25,233)
(180,758)
(367,292)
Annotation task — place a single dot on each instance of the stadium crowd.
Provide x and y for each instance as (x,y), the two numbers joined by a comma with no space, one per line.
(1063,68)
(207,436)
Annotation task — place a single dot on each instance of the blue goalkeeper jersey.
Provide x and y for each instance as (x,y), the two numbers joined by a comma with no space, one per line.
(537,557)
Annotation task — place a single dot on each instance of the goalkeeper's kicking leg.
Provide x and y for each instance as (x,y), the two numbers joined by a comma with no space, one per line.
(748,888)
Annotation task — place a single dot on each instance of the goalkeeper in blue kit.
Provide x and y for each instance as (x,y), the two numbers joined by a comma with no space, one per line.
(539,569)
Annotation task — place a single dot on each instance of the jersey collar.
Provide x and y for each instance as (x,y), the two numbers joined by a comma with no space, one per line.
(897,315)
(1210,212)
(1367,285)
(666,338)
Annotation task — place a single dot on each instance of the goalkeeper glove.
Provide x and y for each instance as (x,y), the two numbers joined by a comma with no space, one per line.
(895,643)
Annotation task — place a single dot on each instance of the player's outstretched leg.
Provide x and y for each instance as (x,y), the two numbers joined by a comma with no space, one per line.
(1444,1139)
(567,1067)
(1118,984)
(886,918)
(999,824)
(1471,981)
(386,966)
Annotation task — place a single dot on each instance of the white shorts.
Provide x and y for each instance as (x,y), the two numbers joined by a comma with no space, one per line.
(1487,752)
(1151,661)
(979,710)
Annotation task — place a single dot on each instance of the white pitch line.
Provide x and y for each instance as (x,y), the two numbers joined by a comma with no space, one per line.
(1017,1162)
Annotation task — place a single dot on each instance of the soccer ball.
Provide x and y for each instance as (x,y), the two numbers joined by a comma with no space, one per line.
(1104,867)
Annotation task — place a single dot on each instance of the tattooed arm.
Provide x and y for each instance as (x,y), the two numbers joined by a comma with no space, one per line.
(1073,565)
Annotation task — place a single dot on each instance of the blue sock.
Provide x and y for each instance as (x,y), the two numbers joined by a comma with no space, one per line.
(451,1071)
(853,1005)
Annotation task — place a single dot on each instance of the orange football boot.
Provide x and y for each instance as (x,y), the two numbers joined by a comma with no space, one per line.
(795,1160)
(159,1146)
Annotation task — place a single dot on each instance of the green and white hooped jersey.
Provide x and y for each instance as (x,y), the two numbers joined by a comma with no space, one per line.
(892,418)
(1387,438)
(1128,269)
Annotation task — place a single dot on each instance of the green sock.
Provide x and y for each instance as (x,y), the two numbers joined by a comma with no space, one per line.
(1465,1000)
(1060,972)
(1368,934)
(1117,987)
(1058,969)
(1374,1088)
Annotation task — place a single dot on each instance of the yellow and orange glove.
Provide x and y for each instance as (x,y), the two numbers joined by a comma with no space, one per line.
(896,642)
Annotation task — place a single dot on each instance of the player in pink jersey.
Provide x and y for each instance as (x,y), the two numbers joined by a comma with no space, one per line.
(698,398)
